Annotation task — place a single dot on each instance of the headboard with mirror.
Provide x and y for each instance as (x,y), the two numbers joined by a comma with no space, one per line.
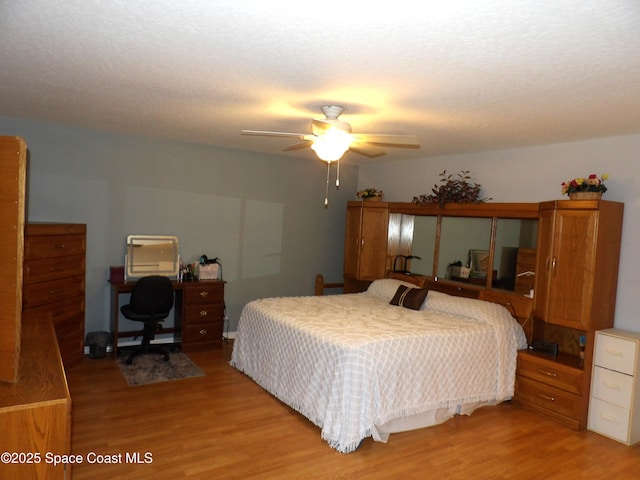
(483,240)
(151,255)
(464,235)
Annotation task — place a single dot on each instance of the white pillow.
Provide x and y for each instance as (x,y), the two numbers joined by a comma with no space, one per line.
(385,288)
(445,303)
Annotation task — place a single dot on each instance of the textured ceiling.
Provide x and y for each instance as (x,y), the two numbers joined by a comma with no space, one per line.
(461,75)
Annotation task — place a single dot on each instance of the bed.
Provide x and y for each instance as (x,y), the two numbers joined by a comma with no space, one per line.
(357,366)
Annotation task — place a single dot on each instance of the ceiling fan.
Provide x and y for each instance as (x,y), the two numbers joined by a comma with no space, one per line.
(331,137)
(339,131)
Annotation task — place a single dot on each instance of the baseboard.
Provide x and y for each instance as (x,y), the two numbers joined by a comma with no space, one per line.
(157,341)
(132,343)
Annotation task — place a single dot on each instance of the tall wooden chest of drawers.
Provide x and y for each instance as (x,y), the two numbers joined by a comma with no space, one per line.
(615,389)
(54,282)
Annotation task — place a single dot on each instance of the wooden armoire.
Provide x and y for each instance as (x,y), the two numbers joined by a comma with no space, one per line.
(365,248)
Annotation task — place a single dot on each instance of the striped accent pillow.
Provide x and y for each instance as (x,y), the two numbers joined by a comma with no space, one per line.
(408,297)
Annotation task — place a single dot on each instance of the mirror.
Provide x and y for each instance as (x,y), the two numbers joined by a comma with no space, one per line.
(458,238)
(151,255)
(490,242)
(424,244)
(513,238)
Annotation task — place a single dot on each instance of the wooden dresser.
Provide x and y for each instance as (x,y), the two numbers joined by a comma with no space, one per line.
(202,315)
(54,282)
(35,411)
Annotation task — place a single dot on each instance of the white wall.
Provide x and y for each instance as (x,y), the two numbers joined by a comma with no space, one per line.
(264,216)
(534,174)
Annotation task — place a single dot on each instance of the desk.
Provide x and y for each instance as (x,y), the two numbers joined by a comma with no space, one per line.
(199,314)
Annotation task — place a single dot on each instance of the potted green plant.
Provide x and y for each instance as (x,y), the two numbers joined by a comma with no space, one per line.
(453,189)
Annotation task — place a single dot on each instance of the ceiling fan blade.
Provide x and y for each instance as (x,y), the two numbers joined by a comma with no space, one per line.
(274,134)
(407,141)
(298,146)
(366,150)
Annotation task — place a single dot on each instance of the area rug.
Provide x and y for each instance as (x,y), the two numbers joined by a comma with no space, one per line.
(151,368)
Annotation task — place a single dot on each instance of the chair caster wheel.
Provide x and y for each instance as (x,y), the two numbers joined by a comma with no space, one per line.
(166,357)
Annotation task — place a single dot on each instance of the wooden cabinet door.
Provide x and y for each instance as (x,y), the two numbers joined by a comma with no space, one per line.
(566,265)
(373,252)
(352,241)
(543,265)
(366,241)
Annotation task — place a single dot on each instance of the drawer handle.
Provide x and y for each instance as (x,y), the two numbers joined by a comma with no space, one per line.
(204,293)
(55,268)
(547,373)
(203,313)
(609,417)
(546,397)
(57,246)
(617,353)
(55,292)
(611,385)
(203,331)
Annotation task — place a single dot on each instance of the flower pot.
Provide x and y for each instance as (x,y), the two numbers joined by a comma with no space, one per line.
(585,195)
(372,199)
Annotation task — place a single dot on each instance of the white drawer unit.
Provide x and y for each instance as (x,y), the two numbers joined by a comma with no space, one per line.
(615,389)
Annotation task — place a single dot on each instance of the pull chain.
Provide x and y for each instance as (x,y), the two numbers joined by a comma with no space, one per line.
(326,190)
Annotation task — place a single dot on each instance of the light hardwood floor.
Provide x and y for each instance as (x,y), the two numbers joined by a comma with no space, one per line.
(223,426)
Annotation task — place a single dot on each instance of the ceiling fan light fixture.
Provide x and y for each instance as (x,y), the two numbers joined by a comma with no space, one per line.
(332,145)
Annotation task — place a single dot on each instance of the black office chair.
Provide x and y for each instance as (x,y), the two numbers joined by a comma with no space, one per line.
(150,303)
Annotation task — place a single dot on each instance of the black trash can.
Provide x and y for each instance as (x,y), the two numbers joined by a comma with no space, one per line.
(98,342)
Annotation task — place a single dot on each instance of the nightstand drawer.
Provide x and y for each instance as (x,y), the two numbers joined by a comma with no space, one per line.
(609,419)
(547,397)
(612,387)
(615,353)
(549,372)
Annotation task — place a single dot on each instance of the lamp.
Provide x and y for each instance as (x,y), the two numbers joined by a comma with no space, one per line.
(331,145)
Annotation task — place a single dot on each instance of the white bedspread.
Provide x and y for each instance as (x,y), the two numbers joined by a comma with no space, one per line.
(351,362)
